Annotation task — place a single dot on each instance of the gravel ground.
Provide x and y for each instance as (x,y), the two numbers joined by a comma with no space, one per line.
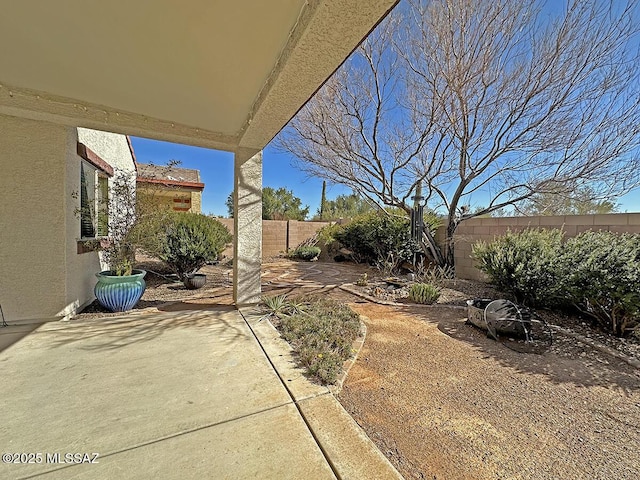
(443,401)
(162,288)
(457,292)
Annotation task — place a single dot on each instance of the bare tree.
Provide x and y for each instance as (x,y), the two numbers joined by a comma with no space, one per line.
(494,100)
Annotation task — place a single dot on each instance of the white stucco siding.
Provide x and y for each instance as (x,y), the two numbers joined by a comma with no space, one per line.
(80,268)
(113,148)
(32,217)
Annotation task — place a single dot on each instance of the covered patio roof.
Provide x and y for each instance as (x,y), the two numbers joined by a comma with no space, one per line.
(223,75)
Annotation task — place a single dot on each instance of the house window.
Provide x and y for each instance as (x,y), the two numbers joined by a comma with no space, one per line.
(94,196)
(102,226)
(181,204)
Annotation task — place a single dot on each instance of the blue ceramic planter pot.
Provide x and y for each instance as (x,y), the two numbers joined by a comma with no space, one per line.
(119,294)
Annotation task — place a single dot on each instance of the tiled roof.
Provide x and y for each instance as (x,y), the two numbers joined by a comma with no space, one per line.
(170,174)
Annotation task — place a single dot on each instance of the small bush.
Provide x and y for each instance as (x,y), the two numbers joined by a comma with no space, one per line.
(326,239)
(523,264)
(306,253)
(601,277)
(363,280)
(424,293)
(377,239)
(321,336)
(434,274)
(190,241)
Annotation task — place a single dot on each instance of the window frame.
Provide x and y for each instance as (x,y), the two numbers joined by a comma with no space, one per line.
(94,202)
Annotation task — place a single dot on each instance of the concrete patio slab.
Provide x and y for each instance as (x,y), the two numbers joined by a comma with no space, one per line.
(132,386)
(272,444)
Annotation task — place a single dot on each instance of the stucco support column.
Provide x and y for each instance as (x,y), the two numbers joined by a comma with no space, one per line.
(247,239)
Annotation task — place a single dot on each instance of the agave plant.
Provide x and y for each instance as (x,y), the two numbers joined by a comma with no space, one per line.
(280,306)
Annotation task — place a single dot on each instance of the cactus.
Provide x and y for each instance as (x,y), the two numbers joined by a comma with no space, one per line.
(424,293)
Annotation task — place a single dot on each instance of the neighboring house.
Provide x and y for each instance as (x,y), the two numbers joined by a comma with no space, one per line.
(53,182)
(176,188)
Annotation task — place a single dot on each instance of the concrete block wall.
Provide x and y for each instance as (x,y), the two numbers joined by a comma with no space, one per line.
(301,231)
(279,235)
(486,229)
(274,237)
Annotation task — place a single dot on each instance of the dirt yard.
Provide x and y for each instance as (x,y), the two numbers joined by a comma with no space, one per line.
(443,401)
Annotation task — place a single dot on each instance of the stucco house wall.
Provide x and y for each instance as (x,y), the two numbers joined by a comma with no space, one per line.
(167,198)
(32,217)
(111,147)
(81,266)
(43,275)
(196,202)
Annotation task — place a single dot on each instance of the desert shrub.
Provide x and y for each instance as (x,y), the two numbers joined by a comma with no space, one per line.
(424,293)
(281,305)
(600,275)
(377,238)
(363,280)
(523,264)
(306,253)
(321,335)
(190,241)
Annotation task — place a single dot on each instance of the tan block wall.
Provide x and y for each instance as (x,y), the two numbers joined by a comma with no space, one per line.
(279,235)
(274,237)
(301,231)
(227,222)
(486,229)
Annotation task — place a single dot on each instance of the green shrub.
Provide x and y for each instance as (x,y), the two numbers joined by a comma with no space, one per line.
(601,277)
(376,238)
(306,253)
(424,293)
(523,264)
(321,336)
(190,241)
(327,238)
(281,305)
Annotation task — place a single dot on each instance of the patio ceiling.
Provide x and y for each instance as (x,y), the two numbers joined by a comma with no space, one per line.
(219,74)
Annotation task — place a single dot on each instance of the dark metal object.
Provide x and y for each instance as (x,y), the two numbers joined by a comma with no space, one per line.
(417,223)
(522,329)
(195,281)
(4,323)
(499,317)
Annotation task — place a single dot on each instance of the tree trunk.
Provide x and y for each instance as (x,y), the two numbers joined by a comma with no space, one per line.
(431,248)
(323,199)
(449,258)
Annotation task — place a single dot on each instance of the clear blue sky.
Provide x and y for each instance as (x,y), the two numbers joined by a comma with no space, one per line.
(216,171)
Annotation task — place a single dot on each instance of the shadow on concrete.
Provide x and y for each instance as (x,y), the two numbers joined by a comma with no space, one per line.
(14,333)
(118,332)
